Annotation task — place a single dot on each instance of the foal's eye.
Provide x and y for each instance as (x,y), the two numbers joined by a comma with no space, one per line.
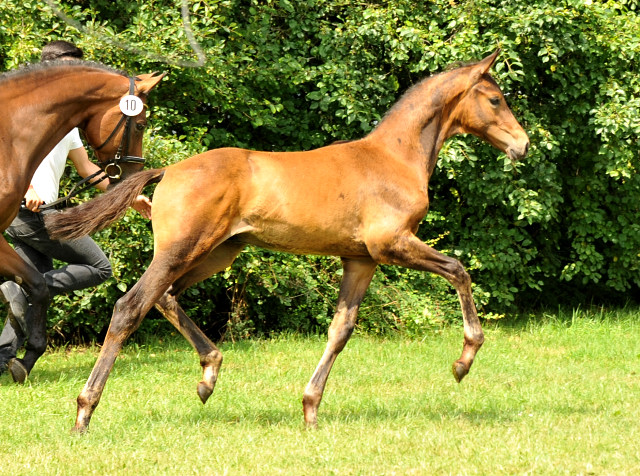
(140,126)
(495,101)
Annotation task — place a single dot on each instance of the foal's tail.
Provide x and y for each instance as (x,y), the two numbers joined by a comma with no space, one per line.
(101,211)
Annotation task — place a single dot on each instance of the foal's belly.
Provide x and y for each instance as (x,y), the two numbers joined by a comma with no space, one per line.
(302,242)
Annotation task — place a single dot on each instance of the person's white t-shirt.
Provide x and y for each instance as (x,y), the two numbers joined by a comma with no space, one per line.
(46,180)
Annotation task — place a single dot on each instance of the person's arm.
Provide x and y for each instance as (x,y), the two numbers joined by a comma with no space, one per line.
(32,200)
(85,168)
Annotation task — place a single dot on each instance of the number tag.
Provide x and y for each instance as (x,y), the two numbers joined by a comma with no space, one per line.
(131,105)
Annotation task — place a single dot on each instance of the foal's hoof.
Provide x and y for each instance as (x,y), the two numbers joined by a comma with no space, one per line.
(459,370)
(310,414)
(78,431)
(204,392)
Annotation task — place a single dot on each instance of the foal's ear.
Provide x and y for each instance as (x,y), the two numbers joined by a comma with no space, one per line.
(482,67)
(146,82)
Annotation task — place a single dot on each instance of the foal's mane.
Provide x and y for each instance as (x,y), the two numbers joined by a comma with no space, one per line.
(452,68)
(50,66)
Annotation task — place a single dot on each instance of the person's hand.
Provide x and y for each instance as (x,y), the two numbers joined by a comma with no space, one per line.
(32,201)
(142,205)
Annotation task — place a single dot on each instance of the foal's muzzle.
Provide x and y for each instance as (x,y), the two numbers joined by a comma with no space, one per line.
(518,146)
(518,151)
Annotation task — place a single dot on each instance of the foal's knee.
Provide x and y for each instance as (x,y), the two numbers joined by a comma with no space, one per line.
(460,278)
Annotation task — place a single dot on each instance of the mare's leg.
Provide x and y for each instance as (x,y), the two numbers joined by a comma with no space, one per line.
(14,267)
(355,281)
(408,251)
(210,357)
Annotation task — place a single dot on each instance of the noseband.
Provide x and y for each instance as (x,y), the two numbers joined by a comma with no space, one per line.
(122,155)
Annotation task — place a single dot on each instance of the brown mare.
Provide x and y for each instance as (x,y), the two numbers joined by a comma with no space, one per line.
(41,104)
(360,200)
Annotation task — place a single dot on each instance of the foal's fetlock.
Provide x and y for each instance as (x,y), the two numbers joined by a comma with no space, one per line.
(210,367)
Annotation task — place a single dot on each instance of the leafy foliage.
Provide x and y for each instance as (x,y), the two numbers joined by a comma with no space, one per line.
(281,75)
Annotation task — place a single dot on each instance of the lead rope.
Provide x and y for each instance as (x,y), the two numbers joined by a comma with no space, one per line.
(78,187)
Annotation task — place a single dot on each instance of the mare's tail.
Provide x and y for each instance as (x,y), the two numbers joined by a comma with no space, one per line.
(101,211)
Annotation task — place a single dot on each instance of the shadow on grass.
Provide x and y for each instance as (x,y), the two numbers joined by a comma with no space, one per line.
(221,412)
(384,416)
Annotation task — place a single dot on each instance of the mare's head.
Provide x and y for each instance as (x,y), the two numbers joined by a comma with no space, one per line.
(116,122)
(483,112)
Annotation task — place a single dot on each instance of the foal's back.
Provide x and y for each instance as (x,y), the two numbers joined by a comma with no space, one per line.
(314,202)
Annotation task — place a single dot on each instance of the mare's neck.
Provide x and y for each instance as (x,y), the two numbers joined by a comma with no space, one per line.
(44,108)
(419,123)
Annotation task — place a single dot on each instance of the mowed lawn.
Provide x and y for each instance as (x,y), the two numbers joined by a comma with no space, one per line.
(553,394)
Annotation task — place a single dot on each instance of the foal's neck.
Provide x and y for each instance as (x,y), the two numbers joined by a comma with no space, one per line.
(417,126)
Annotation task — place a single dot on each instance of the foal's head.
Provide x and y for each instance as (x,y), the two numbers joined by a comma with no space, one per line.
(483,111)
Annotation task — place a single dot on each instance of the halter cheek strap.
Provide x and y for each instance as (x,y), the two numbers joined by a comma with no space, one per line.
(122,155)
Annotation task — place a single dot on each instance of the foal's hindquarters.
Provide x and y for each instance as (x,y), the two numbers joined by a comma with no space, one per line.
(188,248)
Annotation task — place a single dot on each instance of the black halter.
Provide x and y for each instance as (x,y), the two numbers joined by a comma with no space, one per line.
(121,156)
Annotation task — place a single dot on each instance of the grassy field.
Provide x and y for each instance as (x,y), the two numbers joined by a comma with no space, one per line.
(554,394)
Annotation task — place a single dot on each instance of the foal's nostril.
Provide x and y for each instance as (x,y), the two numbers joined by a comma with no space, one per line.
(526,148)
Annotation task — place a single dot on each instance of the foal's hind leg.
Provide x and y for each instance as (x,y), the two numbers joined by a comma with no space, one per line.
(128,313)
(210,357)
(355,281)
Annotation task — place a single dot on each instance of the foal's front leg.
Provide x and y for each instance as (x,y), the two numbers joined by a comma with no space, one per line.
(355,281)
(408,251)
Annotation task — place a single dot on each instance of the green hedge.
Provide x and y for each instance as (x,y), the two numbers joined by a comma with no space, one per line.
(560,227)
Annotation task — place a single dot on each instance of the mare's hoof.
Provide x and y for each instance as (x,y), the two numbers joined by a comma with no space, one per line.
(17,370)
(459,371)
(204,392)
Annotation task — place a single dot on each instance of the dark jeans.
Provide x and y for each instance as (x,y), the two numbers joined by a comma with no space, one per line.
(87,266)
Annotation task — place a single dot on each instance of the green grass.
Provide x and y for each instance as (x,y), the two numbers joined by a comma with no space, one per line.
(556,394)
